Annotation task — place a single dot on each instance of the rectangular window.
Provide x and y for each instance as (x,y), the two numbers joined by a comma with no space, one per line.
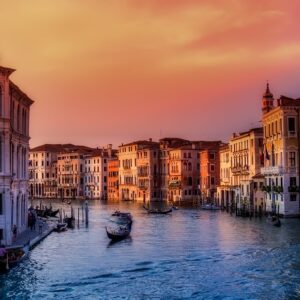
(291,125)
(292,159)
(293,197)
(212,156)
(212,168)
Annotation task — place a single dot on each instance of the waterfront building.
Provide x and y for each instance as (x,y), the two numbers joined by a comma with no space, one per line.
(209,172)
(225,191)
(43,170)
(246,161)
(70,172)
(147,172)
(113,178)
(184,170)
(166,145)
(281,154)
(96,173)
(14,148)
(128,171)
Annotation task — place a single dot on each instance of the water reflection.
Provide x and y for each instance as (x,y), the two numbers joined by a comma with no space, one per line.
(187,254)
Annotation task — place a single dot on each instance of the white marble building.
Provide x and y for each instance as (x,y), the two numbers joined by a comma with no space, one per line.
(14,147)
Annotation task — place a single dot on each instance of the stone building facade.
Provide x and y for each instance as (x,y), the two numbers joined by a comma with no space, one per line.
(281,154)
(14,148)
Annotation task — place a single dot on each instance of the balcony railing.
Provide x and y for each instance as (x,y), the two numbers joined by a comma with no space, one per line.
(278,189)
(272,170)
(174,184)
(240,169)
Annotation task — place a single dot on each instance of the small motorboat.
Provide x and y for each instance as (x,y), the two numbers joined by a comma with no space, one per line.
(61,227)
(175,207)
(274,220)
(210,207)
(118,233)
(11,256)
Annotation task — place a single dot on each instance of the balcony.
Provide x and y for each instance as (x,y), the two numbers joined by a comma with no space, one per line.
(275,189)
(174,184)
(240,169)
(275,170)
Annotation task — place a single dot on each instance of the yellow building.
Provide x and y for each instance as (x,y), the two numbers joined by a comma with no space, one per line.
(246,161)
(281,154)
(129,186)
(225,192)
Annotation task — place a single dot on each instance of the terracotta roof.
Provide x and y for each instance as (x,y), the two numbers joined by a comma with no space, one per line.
(200,145)
(224,147)
(140,142)
(287,101)
(60,148)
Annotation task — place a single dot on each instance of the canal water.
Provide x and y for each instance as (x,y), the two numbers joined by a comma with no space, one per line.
(189,254)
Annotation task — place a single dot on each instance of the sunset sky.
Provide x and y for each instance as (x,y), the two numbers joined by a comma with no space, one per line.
(116,71)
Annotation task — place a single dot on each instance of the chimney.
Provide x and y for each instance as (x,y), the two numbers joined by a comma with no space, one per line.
(150,140)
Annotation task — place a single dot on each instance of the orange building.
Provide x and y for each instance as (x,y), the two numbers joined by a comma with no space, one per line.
(113,179)
(209,172)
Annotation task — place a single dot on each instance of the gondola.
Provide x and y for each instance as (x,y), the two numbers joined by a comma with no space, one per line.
(158,211)
(48,212)
(13,256)
(118,233)
(274,220)
(122,215)
(51,213)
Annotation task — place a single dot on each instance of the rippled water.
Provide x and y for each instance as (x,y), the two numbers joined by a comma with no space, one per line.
(190,254)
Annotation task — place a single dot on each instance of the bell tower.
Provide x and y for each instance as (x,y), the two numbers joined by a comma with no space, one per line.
(267,100)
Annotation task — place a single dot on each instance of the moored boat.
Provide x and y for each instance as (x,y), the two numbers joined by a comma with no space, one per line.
(11,256)
(51,213)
